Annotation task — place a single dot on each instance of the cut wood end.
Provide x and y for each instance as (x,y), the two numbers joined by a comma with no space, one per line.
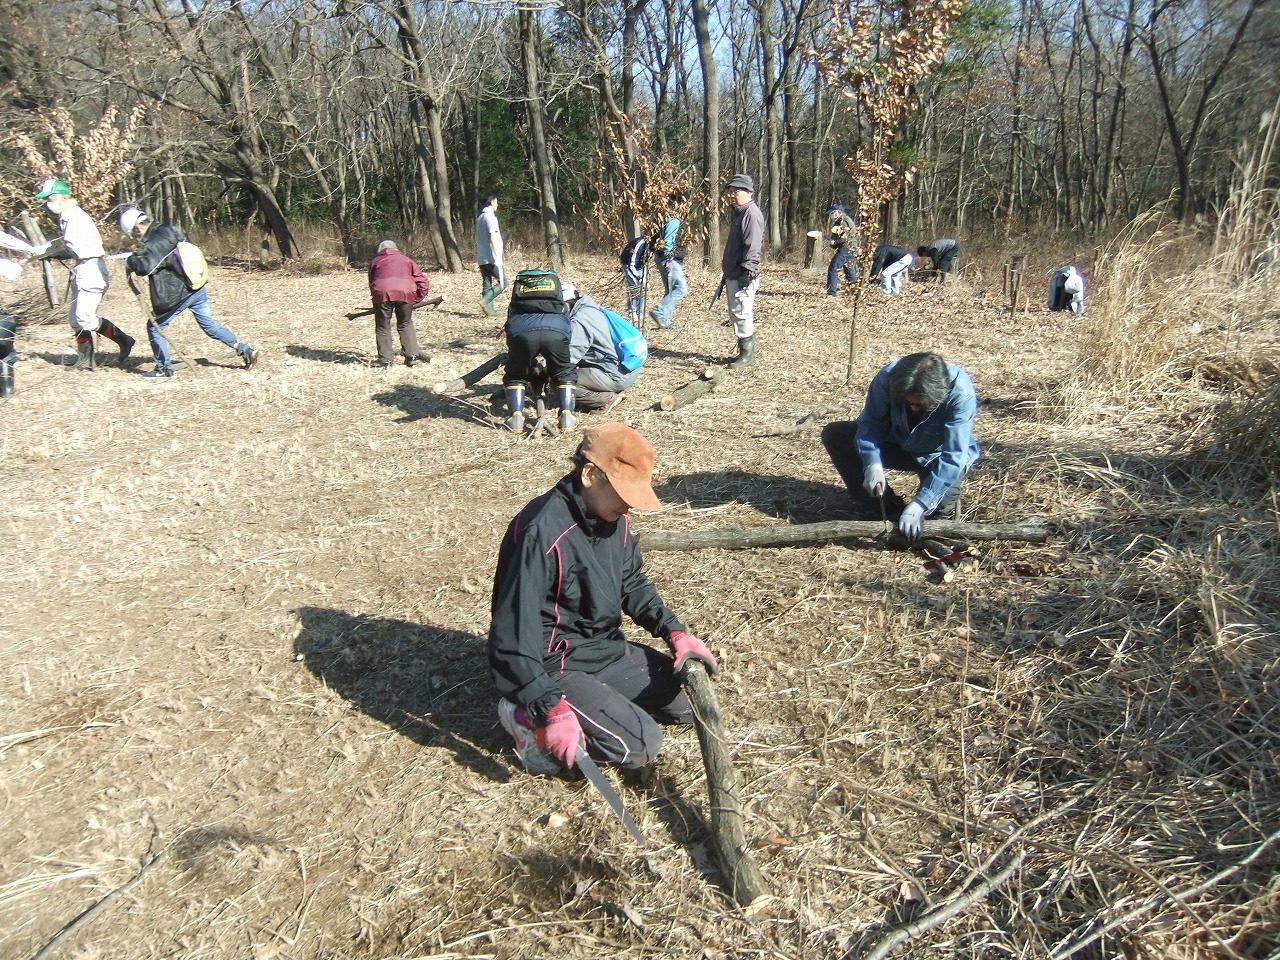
(667,403)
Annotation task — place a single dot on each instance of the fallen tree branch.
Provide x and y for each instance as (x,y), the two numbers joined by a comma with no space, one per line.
(737,538)
(432,302)
(712,377)
(473,377)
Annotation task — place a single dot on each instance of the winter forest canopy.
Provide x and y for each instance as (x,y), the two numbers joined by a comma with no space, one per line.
(377,116)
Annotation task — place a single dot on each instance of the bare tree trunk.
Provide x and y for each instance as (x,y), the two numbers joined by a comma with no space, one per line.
(541,155)
(710,129)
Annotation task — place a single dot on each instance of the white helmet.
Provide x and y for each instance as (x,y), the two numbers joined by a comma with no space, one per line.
(129,220)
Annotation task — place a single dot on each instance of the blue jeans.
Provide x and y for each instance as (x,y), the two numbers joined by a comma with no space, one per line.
(677,288)
(843,260)
(198,304)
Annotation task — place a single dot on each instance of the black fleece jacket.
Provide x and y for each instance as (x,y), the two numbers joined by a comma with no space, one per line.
(562,584)
(157,261)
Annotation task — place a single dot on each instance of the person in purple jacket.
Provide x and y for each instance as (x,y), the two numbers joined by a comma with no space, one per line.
(396,283)
(918,417)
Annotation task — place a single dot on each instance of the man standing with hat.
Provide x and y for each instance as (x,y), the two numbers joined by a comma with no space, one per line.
(843,237)
(568,568)
(740,265)
(81,244)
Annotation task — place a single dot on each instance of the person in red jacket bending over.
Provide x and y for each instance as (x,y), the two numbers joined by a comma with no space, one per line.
(397,283)
(568,569)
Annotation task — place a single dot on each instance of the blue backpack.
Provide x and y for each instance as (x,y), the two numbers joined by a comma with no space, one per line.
(629,342)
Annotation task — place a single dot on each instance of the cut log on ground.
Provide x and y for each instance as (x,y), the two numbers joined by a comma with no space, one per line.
(736,538)
(472,378)
(429,302)
(711,378)
(728,836)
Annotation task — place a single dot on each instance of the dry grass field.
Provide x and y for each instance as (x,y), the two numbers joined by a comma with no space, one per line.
(243,619)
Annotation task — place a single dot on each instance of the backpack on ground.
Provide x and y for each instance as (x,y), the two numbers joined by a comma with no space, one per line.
(628,342)
(192,264)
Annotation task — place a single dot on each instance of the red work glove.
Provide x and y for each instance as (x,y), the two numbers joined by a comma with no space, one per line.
(563,733)
(686,645)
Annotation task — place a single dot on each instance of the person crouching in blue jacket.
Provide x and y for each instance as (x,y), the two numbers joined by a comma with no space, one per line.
(918,417)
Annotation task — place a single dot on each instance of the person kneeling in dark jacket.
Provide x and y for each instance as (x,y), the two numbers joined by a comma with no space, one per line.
(568,568)
(171,293)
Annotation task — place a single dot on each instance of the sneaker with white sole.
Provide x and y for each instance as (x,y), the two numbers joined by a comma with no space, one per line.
(536,759)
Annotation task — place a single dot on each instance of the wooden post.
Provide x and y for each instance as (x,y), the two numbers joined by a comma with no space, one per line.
(786,535)
(35,237)
(712,377)
(472,378)
(728,835)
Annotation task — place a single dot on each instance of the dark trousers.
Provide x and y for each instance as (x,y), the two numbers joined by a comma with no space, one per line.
(404,326)
(842,261)
(620,707)
(550,345)
(946,260)
(840,439)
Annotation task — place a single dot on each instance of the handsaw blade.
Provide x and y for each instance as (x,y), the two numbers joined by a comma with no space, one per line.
(605,789)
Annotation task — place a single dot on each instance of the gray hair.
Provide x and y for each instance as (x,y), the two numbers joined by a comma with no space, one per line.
(387,245)
(923,375)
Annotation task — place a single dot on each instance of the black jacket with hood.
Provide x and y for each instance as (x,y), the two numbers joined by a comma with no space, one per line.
(563,581)
(158,261)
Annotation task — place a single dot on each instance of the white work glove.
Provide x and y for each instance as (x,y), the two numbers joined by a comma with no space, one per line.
(873,477)
(40,249)
(10,270)
(911,523)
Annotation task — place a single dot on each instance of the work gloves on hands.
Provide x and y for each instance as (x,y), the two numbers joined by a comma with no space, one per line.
(911,523)
(686,645)
(873,478)
(563,733)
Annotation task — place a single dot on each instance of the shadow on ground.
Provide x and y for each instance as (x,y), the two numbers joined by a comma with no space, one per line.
(429,683)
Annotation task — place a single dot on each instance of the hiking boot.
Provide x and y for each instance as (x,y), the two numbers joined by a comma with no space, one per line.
(422,357)
(535,758)
(250,357)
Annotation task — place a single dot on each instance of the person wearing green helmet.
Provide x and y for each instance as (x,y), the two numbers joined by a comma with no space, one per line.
(81,246)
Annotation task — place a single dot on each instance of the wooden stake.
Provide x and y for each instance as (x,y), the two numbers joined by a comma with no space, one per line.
(728,836)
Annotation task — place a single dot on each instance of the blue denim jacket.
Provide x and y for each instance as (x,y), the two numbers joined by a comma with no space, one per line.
(942,443)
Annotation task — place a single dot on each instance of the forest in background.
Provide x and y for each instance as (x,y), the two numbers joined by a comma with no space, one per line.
(390,115)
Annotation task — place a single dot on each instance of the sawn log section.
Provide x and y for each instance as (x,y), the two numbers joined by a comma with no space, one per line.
(737,538)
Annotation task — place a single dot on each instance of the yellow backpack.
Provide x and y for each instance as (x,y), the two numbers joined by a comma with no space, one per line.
(195,268)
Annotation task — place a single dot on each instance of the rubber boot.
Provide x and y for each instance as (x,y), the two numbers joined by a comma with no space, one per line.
(515,405)
(86,358)
(6,378)
(118,337)
(566,392)
(746,353)
(490,294)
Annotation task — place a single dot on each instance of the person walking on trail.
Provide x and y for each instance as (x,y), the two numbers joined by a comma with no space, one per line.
(538,326)
(740,265)
(669,256)
(81,245)
(601,376)
(396,283)
(636,275)
(889,266)
(918,417)
(942,254)
(489,254)
(843,237)
(568,569)
(171,293)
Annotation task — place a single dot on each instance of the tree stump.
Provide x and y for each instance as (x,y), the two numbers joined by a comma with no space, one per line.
(728,835)
(811,247)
